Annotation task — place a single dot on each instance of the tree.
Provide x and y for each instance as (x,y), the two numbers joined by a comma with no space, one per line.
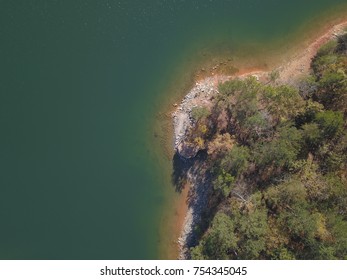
(332,90)
(252,228)
(236,161)
(323,64)
(256,126)
(339,230)
(220,145)
(330,122)
(238,99)
(199,113)
(301,226)
(307,87)
(283,196)
(291,211)
(224,183)
(309,114)
(282,151)
(328,48)
(314,182)
(283,102)
(337,194)
(311,135)
(341,47)
(219,242)
(274,75)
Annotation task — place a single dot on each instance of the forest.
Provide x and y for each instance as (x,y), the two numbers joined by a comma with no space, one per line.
(276,156)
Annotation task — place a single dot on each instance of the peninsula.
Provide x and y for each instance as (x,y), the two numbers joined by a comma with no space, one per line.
(265,155)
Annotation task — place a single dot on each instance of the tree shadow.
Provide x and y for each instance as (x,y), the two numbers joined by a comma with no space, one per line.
(342,44)
(181,167)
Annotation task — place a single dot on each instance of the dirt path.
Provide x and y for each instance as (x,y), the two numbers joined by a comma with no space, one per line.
(300,64)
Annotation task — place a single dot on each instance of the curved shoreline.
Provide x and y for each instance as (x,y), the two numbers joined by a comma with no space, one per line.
(289,73)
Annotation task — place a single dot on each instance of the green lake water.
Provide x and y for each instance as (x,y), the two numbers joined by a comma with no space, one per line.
(82,171)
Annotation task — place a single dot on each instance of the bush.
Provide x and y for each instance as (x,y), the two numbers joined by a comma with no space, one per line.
(330,122)
(199,113)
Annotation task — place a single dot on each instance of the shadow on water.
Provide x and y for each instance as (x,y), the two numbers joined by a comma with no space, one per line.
(180,169)
(199,194)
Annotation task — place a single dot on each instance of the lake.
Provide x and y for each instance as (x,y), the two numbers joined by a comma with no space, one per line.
(84,90)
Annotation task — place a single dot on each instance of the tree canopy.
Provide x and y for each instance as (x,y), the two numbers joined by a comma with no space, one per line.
(277,157)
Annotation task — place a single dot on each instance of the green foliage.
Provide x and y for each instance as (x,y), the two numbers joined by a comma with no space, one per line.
(236,161)
(224,183)
(240,99)
(283,102)
(278,161)
(331,123)
(241,235)
(252,228)
(274,75)
(255,127)
(337,194)
(282,151)
(232,165)
(339,230)
(328,48)
(220,240)
(323,64)
(307,87)
(299,223)
(333,90)
(311,135)
(282,197)
(199,113)
(310,111)
(237,87)
(314,182)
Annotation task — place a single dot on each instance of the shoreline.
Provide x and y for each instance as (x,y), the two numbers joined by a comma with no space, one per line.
(293,68)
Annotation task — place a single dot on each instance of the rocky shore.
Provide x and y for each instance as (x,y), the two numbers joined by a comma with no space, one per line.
(199,95)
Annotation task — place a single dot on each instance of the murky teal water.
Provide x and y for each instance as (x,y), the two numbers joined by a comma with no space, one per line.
(80,84)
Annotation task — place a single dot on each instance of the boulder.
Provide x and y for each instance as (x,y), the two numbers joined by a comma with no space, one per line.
(187,150)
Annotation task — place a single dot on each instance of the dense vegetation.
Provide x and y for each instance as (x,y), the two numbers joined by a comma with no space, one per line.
(277,156)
